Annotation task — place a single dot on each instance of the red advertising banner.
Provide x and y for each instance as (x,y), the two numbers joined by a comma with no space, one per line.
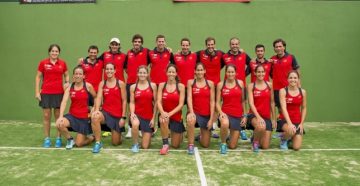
(239,1)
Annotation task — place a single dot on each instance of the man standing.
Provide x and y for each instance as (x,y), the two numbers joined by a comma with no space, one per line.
(283,63)
(115,56)
(260,59)
(160,58)
(93,67)
(212,60)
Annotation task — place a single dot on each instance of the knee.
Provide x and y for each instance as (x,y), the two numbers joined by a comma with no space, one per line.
(47,115)
(145,145)
(135,124)
(175,145)
(224,125)
(190,124)
(205,145)
(79,143)
(265,146)
(232,146)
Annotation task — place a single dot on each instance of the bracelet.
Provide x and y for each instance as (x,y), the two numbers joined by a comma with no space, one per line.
(124,117)
(245,115)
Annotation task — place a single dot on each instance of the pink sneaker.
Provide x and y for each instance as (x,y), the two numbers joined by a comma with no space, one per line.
(164,150)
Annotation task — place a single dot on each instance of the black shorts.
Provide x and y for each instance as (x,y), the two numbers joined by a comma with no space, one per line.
(277,99)
(234,123)
(50,101)
(128,92)
(79,125)
(176,126)
(281,123)
(145,125)
(112,123)
(268,123)
(202,121)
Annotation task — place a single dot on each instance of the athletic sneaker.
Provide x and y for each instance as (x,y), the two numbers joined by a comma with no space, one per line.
(97,147)
(70,144)
(58,142)
(284,144)
(106,134)
(223,148)
(214,135)
(191,149)
(255,146)
(243,135)
(128,135)
(135,148)
(47,142)
(164,150)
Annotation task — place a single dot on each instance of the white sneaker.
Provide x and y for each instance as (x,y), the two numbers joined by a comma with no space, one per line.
(128,135)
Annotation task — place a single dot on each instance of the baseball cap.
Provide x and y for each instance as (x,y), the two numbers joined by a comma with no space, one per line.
(115,39)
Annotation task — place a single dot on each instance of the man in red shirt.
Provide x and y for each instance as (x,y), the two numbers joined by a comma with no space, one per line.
(239,58)
(185,61)
(212,60)
(283,63)
(260,59)
(160,58)
(93,67)
(115,56)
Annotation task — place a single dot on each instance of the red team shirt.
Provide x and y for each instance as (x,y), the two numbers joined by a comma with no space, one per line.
(241,61)
(201,99)
(112,102)
(159,61)
(232,100)
(281,67)
(79,102)
(267,67)
(118,59)
(93,72)
(133,61)
(144,103)
(293,106)
(262,99)
(170,100)
(52,76)
(185,66)
(213,64)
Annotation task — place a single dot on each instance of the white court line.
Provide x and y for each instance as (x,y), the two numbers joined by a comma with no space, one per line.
(200,167)
(174,150)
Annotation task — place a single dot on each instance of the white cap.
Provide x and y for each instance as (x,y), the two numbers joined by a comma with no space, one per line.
(115,39)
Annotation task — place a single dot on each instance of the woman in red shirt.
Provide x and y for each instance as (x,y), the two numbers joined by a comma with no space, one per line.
(78,117)
(201,107)
(230,103)
(112,96)
(261,117)
(293,112)
(51,72)
(142,109)
(170,100)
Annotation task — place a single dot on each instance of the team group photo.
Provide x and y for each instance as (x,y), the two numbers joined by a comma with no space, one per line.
(179,92)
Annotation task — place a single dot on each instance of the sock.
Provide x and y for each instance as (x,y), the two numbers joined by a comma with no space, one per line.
(165,141)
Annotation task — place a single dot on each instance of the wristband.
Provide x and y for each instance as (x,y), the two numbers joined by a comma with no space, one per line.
(245,115)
